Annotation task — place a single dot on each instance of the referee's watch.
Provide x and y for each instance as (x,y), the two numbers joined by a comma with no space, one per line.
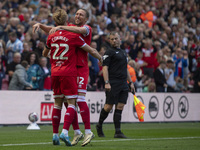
(106,82)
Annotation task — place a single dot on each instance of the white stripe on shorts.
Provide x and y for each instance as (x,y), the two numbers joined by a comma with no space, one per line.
(71,96)
(82,91)
(59,96)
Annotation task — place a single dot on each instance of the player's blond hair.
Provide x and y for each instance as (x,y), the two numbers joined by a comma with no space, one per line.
(60,17)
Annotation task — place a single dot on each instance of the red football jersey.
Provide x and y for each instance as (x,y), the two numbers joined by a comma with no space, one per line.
(63,46)
(82,56)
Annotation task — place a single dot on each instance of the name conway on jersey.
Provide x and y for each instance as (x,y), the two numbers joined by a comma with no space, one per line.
(63,46)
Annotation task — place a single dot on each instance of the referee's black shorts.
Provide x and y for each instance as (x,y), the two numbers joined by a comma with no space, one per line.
(118,93)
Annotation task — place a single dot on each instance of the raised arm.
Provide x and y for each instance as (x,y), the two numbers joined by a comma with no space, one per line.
(45,28)
(75,29)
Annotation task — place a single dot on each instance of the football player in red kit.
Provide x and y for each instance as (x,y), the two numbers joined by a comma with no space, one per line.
(85,31)
(62,46)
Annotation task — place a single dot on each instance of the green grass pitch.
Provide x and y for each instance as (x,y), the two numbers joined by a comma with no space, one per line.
(141,136)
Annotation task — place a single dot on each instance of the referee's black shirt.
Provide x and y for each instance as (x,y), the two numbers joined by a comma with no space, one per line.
(116,60)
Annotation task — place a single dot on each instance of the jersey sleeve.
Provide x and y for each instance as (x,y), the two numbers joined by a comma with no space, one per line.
(107,58)
(88,30)
(80,42)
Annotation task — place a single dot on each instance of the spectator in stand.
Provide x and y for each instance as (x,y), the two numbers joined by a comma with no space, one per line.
(45,80)
(196,78)
(26,50)
(159,77)
(147,15)
(157,45)
(149,55)
(19,78)
(169,75)
(185,69)
(26,21)
(2,71)
(141,63)
(13,45)
(137,45)
(150,86)
(40,47)
(33,39)
(130,43)
(159,58)
(130,67)
(110,6)
(2,53)
(179,84)
(181,62)
(50,21)
(94,68)
(10,68)
(12,26)
(192,61)
(21,30)
(113,25)
(3,25)
(163,40)
(118,8)
(34,71)
(36,5)
(167,53)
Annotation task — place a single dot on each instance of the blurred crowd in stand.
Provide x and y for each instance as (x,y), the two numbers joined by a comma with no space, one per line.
(161,38)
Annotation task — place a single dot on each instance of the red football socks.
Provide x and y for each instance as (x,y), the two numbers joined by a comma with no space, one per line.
(75,122)
(56,115)
(85,114)
(69,116)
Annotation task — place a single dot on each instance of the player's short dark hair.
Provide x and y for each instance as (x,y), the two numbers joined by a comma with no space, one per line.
(86,12)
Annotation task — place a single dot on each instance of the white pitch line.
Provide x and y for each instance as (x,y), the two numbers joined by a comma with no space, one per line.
(116,140)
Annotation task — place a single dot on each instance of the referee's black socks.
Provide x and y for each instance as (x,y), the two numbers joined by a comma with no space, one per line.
(117,120)
(103,116)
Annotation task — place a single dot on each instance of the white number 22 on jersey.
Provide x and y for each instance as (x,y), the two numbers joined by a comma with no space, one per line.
(57,49)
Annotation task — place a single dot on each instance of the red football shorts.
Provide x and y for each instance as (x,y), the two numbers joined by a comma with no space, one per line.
(64,86)
(83,73)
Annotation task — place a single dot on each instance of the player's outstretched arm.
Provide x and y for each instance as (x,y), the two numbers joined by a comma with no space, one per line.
(92,52)
(80,30)
(38,26)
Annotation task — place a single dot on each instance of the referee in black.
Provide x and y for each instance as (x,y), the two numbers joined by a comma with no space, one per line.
(115,74)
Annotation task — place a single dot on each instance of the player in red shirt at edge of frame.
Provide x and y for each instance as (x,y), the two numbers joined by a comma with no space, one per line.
(64,73)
